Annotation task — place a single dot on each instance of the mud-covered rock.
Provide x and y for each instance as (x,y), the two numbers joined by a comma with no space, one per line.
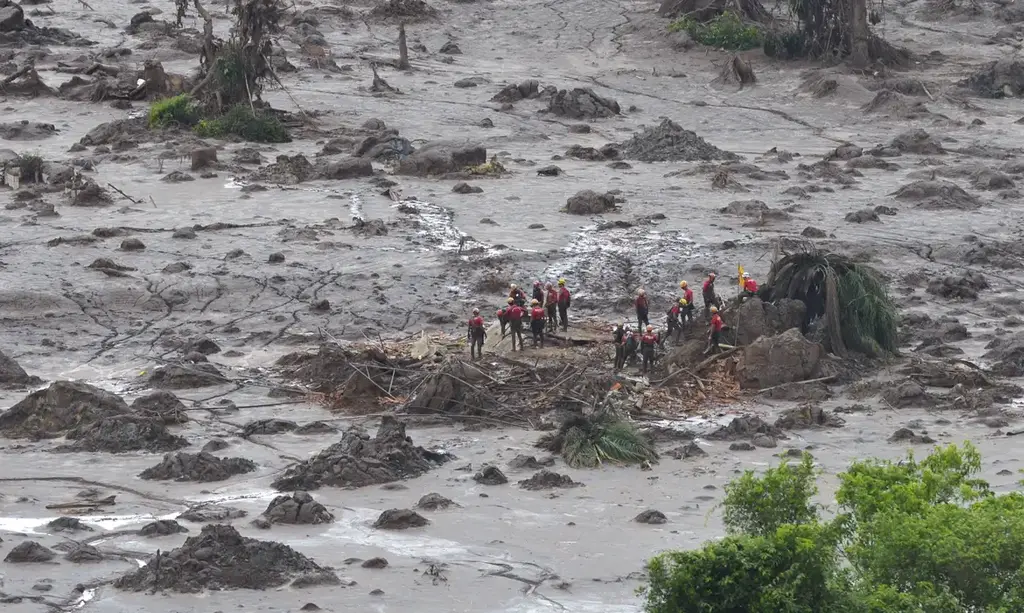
(345,168)
(219,558)
(651,516)
(358,460)
(162,527)
(50,412)
(908,394)
(861,216)
(12,18)
(918,142)
(546,480)
(743,445)
(670,142)
(991,180)
(122,434)
(808,416)
(1006,354)
(316,427)
(516,92)
(744,427)
(999,79)
(434,502)
(12,375)
(906,435)
(490,475)
(966,285)
(442,158)
(268,426)
(161,405)
(400,519)
(28,552)
(285,170)
(589,202)
(937,195)
(26,130)
(68,524)
(757,211)
(193,376)
(582,103)
(773,360)
(376,563)
(465,188)
(529,462)
(200,466)
(206,512)
(297,508)
(84,553)
(689,450)
(755,318)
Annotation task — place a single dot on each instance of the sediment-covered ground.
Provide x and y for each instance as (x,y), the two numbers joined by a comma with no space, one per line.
(190,285)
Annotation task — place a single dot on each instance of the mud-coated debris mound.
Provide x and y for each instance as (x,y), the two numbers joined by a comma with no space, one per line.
(375,563)
(670,142)
(516,92)
(651,516)
(765,318)
(218,559)
(186,377)
(744,427)
(84,552)
(286,170)
(966,285)
(163,406)
(206,512)
(51,412)
(689,450)
(906,435)
(122,434)
(298,508)
(774,360)
(589,202)
(162,527)
(202,466)
(490,475)
(441,158)
(808,416)
(1000,79)
(546,480)
(434,502)
(529,462)
(358,460)
(68,524)
(918,142)
(268,426)
(582,103)
(1006,354)
(408,11)
(316,427)
(938,195)
(12,375)
(29,551)
(400,519)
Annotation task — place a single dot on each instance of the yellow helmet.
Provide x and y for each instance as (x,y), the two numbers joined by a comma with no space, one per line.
(561,281)
(535,301)
(714,309)
(682,284)
(510,301)
(682,301)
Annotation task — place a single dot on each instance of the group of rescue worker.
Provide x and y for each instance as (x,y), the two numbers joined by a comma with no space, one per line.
(549,307)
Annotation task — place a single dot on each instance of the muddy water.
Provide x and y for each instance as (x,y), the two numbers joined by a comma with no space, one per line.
(504,549)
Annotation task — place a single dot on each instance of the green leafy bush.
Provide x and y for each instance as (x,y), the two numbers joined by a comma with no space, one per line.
(591,440)
(241,122)
(179,110)
(909,537)
(726,31)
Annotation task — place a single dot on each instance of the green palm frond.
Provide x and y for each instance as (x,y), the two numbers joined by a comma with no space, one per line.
(588,442)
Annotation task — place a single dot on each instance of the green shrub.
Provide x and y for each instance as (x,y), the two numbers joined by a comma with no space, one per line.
(726,31)
(240,121)
(31,166)
(178,110)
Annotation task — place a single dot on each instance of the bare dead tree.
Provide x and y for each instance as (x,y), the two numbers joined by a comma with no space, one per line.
(403,49)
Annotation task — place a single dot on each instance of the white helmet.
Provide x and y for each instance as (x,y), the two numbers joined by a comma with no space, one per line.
(746,275)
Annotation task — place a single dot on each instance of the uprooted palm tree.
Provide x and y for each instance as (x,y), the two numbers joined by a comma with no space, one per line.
(851,298)
(587,441)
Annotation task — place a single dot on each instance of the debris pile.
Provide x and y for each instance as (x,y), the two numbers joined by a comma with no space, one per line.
(774,360)
(200,466)
(219,558)
(358,460)
(51,412)
(162,406)
(405,11)
(589,202)
(581,103)
(124,433)
(12,375)
(298,508)
(546,480)
(670,142)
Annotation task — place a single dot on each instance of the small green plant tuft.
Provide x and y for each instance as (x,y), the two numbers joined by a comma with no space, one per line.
(241,122)
(726,31)
(592,440)
(179,110)
(31,166)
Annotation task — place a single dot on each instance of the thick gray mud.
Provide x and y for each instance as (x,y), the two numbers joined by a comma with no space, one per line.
(266,272)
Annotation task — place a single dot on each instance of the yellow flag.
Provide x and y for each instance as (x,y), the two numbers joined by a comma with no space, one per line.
(740,268)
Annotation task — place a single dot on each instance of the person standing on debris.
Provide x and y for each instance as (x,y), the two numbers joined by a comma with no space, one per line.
(642,308)
(564,302)
(648,344)
(476,334)
(537,317)
(503,317)
(675,324)
(515,321)
(619,336)
(715,335)
(631,344)
(517,295)
(551,304)
(710,297)
(749,287)
(689,307)
(538,292)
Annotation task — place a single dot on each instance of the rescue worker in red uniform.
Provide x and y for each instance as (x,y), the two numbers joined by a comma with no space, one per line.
(711,298)
(749,287)
(476,334)
(564,302)
(551,304)
(538,292)
(537,317)
(715,334)
(517,295)
(675,323)
(648,343)
(503,317)
(515,322)
(642,309)
(687,311)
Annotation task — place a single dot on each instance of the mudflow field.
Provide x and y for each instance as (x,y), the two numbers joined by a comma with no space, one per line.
(168,295)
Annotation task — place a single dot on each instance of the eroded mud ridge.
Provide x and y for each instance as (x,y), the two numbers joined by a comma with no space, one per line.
(243,315)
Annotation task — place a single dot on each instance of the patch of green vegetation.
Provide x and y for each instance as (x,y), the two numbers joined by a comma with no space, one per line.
(907,537)
(179,110)
(31,166)
(587,441)
(726,31)
(240,121)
